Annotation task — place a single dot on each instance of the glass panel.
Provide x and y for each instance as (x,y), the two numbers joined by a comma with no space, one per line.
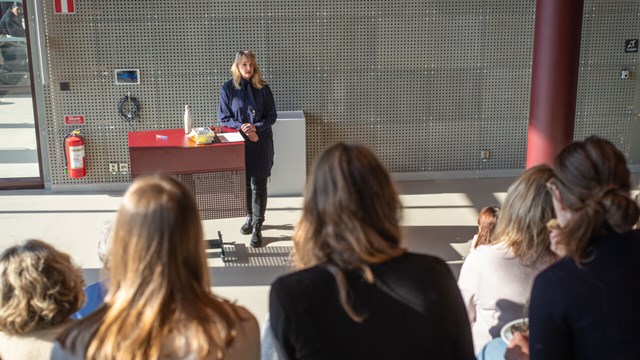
(18,145)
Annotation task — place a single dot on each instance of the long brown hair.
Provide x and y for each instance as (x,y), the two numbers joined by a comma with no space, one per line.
(158,281)
(522,224)
(256,79)
(594,183)
(350,218)
(487,220)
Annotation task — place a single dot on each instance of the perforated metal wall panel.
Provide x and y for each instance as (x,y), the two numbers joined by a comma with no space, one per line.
(605,104)
(426,84)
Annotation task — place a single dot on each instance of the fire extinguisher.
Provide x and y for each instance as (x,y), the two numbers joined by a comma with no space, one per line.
(75,158)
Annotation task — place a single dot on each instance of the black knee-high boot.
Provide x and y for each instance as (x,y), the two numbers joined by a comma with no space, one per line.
(256,238)
(246,228)
(259,207)
(259,199)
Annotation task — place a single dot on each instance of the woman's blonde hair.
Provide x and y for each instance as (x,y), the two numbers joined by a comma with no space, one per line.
(595,184)
(158,281)
(41,287)
(256,79)
(522,224)
(350,217)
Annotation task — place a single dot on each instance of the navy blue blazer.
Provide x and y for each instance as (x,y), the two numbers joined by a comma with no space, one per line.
(238,106)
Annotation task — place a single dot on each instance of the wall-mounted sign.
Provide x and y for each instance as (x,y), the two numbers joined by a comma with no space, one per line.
(127,76)
(64,6)
(74,120)
(631,46)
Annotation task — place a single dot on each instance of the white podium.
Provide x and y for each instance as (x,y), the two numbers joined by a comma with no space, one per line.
(289,171)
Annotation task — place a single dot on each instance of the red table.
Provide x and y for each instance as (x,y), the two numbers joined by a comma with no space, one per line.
(214,173)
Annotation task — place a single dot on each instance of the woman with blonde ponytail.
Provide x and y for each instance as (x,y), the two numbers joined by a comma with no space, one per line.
(585,306)
(159,305)
(359,294)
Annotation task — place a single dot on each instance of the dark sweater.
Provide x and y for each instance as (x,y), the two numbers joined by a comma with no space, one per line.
(415,311)
(589,312)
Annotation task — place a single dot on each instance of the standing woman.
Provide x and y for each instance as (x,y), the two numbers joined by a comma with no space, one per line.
(246,104)
(359,293)
(159,304)
(585,306)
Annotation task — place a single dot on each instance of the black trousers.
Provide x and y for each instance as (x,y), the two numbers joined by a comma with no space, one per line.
(256,198)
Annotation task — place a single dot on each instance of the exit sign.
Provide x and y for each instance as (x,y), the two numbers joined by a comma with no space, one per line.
(74,120)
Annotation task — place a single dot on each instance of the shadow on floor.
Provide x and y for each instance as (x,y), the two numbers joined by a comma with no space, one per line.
(444,242)
(247,266)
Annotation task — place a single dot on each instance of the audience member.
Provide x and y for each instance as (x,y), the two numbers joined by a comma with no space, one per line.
(40,289)
(487,220)
(96,292)
(585,305)
(269,346)
(360,294)
(158,303)
(496,279)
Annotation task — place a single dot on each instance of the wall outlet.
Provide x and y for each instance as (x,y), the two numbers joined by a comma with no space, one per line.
(113,168)
(485,155)
(123,167)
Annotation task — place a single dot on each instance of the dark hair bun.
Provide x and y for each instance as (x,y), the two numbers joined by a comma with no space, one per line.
(620,211)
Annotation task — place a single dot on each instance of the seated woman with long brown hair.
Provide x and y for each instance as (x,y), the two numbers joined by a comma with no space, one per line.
(487,220)
(359,293)
(40,287)
(159,304)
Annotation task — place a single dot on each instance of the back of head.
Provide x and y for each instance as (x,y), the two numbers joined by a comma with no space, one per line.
(41,287)
(351,215)
(104,242)
(157,240)
(525,213)
(594,183)
(487,220)
(158,279)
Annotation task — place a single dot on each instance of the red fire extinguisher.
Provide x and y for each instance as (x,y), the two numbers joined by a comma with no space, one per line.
(74,155)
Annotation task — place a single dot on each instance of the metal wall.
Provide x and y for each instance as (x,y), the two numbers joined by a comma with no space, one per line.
(426,84)
(605,104)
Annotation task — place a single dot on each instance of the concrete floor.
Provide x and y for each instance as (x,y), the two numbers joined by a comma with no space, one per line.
(439,218)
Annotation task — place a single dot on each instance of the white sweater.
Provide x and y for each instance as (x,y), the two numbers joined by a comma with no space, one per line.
(495,287)
(35,345)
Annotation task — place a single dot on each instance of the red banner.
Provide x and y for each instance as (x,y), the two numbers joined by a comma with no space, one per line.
(64,6)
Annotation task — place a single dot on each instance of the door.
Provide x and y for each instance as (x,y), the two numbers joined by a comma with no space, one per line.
(20,164)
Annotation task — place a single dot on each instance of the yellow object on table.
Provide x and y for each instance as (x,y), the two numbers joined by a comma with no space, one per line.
(202,135)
